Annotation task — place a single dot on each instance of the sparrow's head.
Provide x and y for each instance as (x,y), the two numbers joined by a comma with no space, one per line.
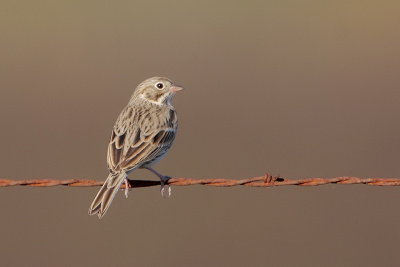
(157,90)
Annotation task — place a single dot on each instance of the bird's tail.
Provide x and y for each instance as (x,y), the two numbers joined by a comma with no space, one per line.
(106,194)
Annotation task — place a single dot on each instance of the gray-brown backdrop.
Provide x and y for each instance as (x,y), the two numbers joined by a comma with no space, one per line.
(296,88)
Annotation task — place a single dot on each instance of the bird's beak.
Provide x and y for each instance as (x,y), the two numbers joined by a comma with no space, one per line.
(176,88)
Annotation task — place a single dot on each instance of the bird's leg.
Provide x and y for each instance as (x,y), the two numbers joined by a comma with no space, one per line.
(163,179)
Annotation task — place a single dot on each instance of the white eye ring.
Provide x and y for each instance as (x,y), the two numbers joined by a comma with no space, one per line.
(159,86)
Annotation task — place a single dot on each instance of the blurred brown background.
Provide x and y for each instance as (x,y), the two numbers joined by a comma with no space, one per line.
(296,88)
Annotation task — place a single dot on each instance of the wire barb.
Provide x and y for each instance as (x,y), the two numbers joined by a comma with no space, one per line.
(263,181)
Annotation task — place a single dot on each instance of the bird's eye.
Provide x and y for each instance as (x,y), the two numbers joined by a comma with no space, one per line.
(160,85)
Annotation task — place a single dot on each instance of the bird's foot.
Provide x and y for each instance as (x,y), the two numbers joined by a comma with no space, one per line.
(165,187)
(127,187)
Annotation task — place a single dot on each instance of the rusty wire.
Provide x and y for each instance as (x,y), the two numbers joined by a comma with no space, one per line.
(263,181)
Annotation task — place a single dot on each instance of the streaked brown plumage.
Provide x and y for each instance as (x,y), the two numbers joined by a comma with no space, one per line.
(142,134)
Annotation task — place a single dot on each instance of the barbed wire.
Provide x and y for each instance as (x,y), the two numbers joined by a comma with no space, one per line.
(263,181)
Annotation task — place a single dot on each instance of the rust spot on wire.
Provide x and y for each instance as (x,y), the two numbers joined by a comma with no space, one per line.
(263,181)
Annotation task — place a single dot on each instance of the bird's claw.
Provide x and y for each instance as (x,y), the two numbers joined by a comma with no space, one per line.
(165,187)
(127,187)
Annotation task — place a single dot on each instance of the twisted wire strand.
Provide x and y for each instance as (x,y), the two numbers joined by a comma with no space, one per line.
(262,181)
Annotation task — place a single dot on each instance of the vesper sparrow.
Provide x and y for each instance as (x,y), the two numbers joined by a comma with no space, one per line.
(142,135)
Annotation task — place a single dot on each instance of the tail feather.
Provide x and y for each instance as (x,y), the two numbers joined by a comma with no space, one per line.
(106,194)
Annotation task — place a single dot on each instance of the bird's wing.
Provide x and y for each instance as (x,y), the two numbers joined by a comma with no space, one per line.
(134,144)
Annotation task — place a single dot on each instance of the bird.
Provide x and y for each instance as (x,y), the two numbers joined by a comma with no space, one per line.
(142,135)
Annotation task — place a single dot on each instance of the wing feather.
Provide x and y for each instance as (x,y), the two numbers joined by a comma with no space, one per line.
(132,147)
